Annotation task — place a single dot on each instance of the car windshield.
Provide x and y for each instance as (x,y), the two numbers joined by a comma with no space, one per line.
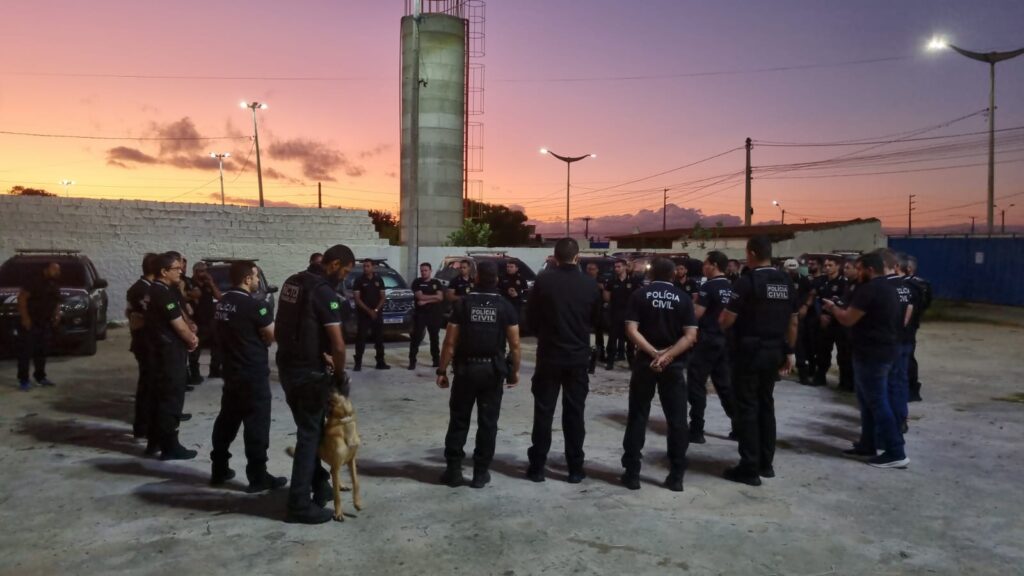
(450,268)
(392,279)
(18,272)
(220,274)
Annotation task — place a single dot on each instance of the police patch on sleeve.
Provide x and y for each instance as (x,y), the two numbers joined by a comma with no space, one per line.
(170,306)
(263,311)
(335,305)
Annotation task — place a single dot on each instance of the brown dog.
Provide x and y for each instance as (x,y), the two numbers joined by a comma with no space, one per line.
(338,447)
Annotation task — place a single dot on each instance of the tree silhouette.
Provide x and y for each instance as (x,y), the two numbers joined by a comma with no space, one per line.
(23,191)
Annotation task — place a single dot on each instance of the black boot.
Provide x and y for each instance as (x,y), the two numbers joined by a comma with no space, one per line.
(266,482)
(697,435)
(480,477)
(630,480)
(323,493)
(452,475)
(412,363)
(308,514)
(358,365)
(220,473)
(674,481)
(178,452)
(381,365)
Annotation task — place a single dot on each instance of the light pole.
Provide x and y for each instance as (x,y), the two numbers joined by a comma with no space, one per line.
(568,164)
(66,184)
(1002,218)
(220,156)
(992,58)
(779,206)
(256,137)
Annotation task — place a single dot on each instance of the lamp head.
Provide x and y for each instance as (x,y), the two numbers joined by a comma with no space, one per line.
(543,150)
(937,43)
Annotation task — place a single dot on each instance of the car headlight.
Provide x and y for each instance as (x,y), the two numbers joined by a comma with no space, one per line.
(75,305)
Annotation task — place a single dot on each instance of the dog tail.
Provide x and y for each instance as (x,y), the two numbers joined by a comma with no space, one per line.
(290,451)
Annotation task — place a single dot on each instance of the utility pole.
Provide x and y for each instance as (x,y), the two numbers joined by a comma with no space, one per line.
(319,196)
(748,210)
(972,225)
(664,210)
(586,226)
(254,106)
(1002,217)
(220,163)
(414,144)
(910,213)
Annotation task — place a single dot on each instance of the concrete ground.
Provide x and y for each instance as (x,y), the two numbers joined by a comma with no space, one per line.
(77,497)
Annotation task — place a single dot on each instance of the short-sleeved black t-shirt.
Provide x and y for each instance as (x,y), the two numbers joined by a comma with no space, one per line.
(513,282)
(371,290)
(428,287)
(830,289)
(164,307)
(460,285)
(905,293)
(662,312)
(43,299)
(621,290)
(691,286)
(877,332)
(714,297)
(138,299)
(764,300)
(239,318)
(206,307)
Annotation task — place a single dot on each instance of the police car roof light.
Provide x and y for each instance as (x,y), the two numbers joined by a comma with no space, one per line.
(41,251)
(212,259)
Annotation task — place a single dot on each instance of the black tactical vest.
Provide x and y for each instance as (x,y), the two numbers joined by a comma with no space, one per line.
(481,333)
(766,316)
(300,339)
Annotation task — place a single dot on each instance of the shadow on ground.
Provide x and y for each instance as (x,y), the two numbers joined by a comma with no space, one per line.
(86,435)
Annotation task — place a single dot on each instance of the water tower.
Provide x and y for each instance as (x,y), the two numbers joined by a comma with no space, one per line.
(441,89)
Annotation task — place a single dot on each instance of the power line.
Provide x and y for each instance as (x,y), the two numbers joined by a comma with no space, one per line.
(910,171)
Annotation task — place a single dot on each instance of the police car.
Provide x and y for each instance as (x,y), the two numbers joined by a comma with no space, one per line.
(398,299)
(450,268)
(220,268)
(83,295)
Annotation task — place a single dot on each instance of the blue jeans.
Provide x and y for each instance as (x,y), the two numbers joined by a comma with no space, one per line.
(879,427)
(899,385)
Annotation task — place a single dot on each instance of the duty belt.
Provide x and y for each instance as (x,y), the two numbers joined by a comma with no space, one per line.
(476,360)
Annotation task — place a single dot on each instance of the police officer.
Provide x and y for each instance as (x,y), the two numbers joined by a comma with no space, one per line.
(829,285)
(246,329)
(563,305)
(428,293)
(513,286)
(803,291)
(475,338)
(597,353)
(661,323)
(461,284)
(138,299)
(169,340)
(923,297)
(369,292)
(39,314)
(762,312)
(711,354)
(204,309)
(810,316)
(616,293)
(308,331)
(898,385)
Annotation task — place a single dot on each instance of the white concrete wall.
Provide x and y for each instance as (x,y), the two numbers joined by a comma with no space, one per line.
(115,234)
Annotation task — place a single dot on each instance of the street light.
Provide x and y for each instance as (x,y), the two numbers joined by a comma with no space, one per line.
(1002,218)
(938,43)
(256,136)
(779,206)
(220,156)
(66,184)
(568,163)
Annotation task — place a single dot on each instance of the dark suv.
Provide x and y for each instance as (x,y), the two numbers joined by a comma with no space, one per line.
(451,268)
(398,299)
(605,266)
(83,295)
(219,269)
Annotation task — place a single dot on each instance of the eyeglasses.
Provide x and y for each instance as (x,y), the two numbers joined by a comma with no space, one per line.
(175,268)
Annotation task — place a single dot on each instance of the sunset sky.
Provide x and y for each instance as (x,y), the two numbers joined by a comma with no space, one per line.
(649,86)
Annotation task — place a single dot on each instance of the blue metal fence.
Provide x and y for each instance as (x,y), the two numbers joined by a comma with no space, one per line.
(969,268)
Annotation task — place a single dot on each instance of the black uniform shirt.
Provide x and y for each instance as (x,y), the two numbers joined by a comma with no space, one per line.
(513,282)
(763,299)
(906,299)
(498,318)
(138,299)
(239,318)
(371,290)
(621,290)
(206,307)
(662,313)
(830,289)
(877,332)
(460,285)
(714,297)
(691,286)
(164,307)
(43,300)
(427,287)
(295,338)
(563,306)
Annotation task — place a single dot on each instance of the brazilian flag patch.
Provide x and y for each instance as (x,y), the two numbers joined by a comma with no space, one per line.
(263,311)
(335,306)
(170,306)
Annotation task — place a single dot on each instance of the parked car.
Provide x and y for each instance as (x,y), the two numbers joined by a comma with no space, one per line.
(450,269)
(605,265)
(398,299)
(83,294)
(219,269)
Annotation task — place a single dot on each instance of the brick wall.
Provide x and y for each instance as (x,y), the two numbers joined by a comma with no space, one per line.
(115,234)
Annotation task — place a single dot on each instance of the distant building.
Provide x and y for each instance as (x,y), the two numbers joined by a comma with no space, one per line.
(788,240)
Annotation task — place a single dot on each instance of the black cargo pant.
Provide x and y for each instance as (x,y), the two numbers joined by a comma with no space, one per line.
(710,357)
(368,327)
(143,389)
(756,364)
(429,323)
(617,341)
(306,394)
(207,339)
(547,382)
(478,384)
(828,338)
(245,400)
(809,330)
(844,358)
(671,388)
(167,395)
(33,346)
(912,373)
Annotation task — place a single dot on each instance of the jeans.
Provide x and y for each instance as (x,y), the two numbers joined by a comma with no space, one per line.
(547,382)
(307,397)
(879,428)
(479,385)
(710,357)
(899,386)
(33,346)
(244,400)
(671,387)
